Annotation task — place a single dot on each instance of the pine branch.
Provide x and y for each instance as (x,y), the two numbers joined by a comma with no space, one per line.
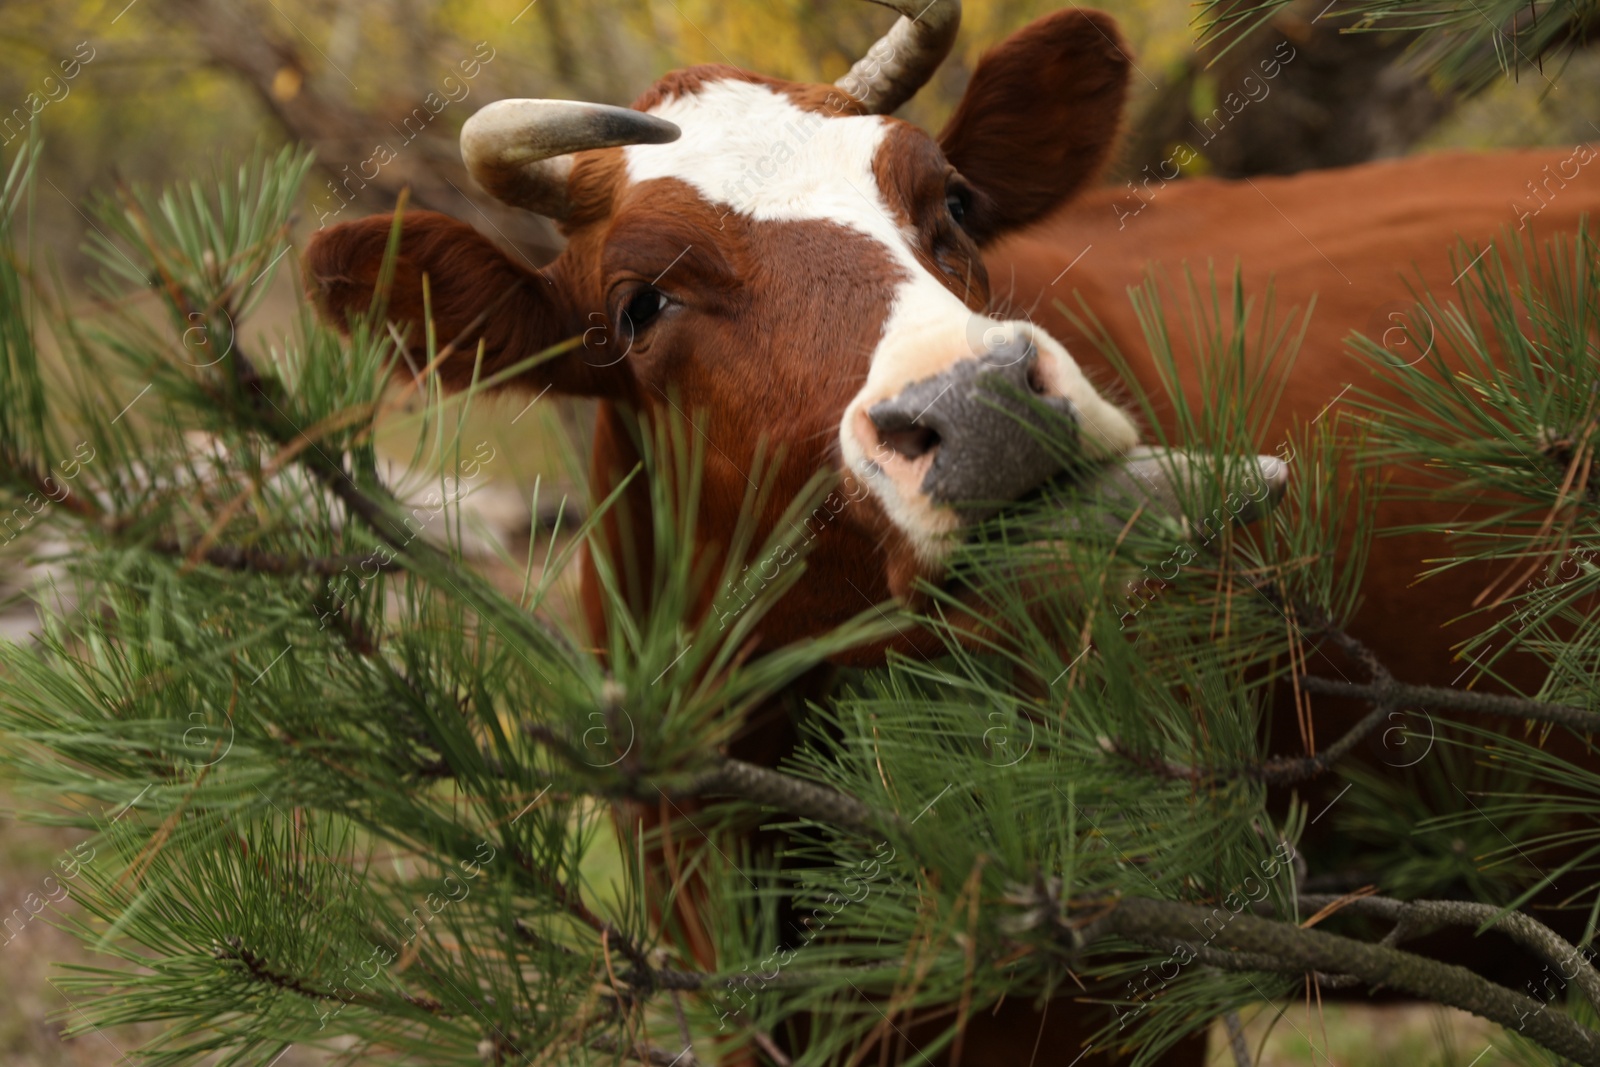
(1287,770)
(528,934)
(261,972)
(255,389)
(1413,918)
(1401,694)
(223,557)
(240,558)
(27,473)
(767,1045)
(373,509)
(670,978)
(746,781)
(571,901)
(1385,693)
(1247,941)
(794,795)
(644,1053)
(1237,1042)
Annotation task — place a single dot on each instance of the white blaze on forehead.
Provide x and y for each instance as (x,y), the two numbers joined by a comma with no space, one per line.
(751,151)
(747,147)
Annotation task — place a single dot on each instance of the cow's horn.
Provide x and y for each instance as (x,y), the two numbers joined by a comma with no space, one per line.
(904,58)
(520,150)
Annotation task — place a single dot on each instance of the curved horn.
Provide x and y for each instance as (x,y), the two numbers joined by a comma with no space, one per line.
(904,58)
(520,150)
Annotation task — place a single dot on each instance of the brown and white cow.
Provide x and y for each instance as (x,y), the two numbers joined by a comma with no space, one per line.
(787,264)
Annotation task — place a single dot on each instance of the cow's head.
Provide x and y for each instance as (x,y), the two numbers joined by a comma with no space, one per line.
(785,262)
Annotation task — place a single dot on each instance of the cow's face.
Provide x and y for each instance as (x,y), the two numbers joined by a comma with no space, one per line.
(792,272)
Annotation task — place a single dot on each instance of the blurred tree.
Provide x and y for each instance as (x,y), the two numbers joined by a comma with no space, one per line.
(195,80)
(1299,93)
(1368,79)
(390,136)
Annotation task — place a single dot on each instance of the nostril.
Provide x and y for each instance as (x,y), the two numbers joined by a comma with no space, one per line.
(1036,382)
(910,442)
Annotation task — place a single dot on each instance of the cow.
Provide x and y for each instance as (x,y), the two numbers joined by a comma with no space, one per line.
(790,266)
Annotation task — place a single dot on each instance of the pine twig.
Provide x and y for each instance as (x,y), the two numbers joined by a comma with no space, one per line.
(373,509)
(1236,1039)
(571,901)
(1246,941)
(764,1042)
(258,970)
(1445,699)
(794,795)
(1384,693)
(644,1053)
(80,504)
(240,558)
(1412,918)
(683,1024)
(747,781)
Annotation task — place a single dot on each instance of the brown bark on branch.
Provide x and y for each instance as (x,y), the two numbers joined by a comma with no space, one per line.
(644,1053)
(1400,694)
(1413,918)
(240,558)
(1164,924)
(794,795)
(258,970)
(1383,692)
(747,781)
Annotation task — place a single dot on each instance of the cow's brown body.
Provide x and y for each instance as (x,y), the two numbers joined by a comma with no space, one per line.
(1351,240)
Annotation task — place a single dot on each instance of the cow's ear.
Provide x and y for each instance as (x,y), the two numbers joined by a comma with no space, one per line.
(1039,118)
(475,292)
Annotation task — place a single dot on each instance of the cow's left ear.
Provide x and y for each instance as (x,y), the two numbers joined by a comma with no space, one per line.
(1039,118)
(475,295)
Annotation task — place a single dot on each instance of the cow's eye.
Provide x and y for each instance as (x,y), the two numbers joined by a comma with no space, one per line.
(955,201)
(644,306)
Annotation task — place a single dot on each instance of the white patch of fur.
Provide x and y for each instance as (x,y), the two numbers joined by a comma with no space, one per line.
(750,150)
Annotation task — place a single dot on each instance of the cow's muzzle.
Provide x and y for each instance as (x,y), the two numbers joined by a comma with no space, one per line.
(982,433)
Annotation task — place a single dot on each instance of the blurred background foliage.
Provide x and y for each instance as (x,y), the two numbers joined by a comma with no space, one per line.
(167,87)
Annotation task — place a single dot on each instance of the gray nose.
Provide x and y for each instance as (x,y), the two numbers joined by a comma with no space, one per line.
(980,419)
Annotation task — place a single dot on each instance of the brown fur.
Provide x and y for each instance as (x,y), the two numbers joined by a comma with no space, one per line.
(1039,119)
(913,177)
(1352,238)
